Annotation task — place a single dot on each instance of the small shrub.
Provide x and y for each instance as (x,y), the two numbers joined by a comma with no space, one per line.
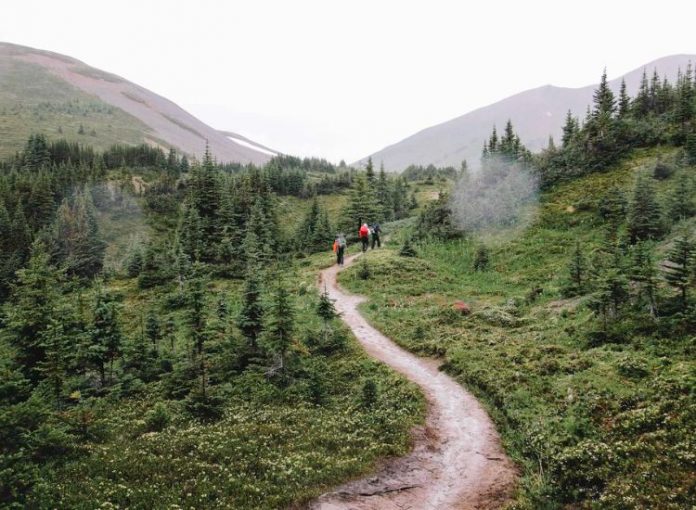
(369,393)
(662,171)
(631,368)
(205,406)
(158,418)
(364,272)
(407,250)
(481,259)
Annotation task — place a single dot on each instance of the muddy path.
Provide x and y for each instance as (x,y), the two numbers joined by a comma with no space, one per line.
(457,461)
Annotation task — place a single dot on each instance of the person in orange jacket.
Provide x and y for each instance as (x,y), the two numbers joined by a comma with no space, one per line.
(339,248)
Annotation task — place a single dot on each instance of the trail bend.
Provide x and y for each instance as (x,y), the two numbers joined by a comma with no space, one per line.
(457,462)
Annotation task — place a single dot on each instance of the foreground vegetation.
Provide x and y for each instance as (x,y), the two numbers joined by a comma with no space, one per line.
(597,416)
(162,343)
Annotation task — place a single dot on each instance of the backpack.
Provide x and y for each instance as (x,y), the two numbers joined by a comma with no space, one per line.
(363,231)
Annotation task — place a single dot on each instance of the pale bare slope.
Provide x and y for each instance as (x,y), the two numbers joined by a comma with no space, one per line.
(457,461)
(168,124)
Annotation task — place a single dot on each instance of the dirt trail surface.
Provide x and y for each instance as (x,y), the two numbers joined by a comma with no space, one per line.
(457,461)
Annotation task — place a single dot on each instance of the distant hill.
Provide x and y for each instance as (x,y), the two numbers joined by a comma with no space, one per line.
(535,114)
(60,96)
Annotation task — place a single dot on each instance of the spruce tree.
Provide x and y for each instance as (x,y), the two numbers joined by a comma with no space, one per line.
(370,173)
(690,148)
(644,216)
(643,274)
(279,326)
(680,202)
(570,129)
(611,292)
(362,205)
(250,318)
(195,310)
(326,309)
(679,267)
(482,258)
(79,246)
(153,330)
(33,310)
(624,100)
(407,249)
(191,234)
(55,366)
(384,196)
(106,337)
(578,269)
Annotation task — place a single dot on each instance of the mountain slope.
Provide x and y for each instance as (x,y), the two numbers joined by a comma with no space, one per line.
(41,91)
(535,113)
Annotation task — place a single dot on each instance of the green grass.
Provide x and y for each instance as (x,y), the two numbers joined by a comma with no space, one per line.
(609,426)
(271,449)
(34,101)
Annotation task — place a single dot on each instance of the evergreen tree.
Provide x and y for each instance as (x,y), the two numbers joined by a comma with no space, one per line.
(134,262)
(32,310)
(78,243)
(279,325)
(624,100)
(482,258)
(153,330)
(326,309)
(383,196)
(570,129)
(195,310)
(251,315)
(690,148)
(362,205)
(106,337)
(679,267)
(644,276)
(370,173)
(407,249)
(55,366)
(680,203)
(644,216)
(154,269)
(611,292)
(578,269)
(191,234)
(641,103)
(172,163)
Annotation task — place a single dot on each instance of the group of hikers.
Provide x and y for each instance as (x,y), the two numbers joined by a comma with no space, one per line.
(368,235)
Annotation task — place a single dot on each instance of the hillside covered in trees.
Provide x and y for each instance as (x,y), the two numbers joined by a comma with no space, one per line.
(162,343)
(161,339)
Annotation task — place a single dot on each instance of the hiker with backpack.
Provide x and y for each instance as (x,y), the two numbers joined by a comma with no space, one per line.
(339,248)
(364,234)
(376,231)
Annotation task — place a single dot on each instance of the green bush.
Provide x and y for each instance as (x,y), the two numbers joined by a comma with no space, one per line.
(158,418)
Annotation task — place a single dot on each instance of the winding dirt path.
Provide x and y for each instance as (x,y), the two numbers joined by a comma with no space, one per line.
(457,461)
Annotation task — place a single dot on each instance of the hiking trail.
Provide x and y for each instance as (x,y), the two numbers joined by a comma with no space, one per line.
(457,461)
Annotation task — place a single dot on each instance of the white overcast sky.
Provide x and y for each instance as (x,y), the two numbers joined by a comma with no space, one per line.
(344,79)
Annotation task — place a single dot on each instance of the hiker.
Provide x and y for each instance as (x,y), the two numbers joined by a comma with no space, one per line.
(339,248)
(376,231)
(364,235)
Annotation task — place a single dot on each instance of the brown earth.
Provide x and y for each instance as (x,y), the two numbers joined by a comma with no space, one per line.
(457,461)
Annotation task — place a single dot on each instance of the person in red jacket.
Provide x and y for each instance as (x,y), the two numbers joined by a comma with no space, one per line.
(364,235)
